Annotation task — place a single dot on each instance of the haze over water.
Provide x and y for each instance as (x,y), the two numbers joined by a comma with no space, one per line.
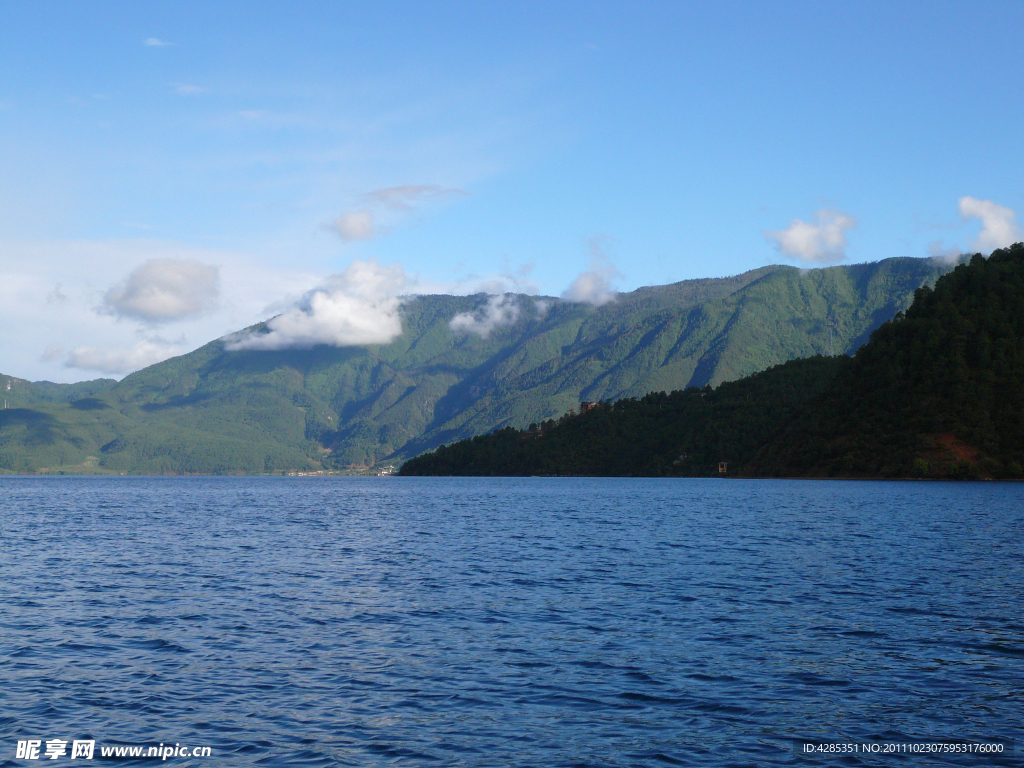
(509,622)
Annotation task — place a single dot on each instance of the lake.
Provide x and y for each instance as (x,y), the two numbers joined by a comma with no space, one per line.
(511,622)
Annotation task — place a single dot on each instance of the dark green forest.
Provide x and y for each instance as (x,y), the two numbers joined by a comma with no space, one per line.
(685,433)
(937,392)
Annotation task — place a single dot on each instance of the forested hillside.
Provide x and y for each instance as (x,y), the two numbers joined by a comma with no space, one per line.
(215,410)
(685,433)
(19,392)
(937,392)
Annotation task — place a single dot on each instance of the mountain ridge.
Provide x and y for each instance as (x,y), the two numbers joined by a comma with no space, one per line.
(212,410)
(937,392)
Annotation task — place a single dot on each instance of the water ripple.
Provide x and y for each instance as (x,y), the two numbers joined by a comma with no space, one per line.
(529,622)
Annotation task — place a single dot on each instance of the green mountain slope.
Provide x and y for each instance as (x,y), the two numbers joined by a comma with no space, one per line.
(256,411)
(45,425)
(937,392)
(19,392)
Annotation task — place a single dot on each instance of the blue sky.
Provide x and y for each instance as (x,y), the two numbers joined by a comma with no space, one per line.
(473,146)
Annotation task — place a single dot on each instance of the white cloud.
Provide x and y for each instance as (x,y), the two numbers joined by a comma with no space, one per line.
(354,225)
(187,89)
(142,354)
(359,306)
(165,289)
(942,253)
(381,209)
(85,269)
(823,241)
(155,42)
(593,286)
(497,310)
(999,227)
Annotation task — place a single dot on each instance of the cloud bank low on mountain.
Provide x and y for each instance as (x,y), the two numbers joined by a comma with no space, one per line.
(356,307)
(496,310)
(362,305)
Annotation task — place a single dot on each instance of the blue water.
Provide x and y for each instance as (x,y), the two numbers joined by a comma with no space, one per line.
(511,622)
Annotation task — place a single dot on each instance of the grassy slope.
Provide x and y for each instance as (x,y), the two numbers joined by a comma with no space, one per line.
(215,411)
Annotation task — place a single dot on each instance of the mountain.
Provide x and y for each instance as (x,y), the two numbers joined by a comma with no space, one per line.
(683,434)
(19,392)
(938,392)
(215,410)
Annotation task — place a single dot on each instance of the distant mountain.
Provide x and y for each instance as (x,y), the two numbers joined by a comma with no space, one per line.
(937,392)
(261,411)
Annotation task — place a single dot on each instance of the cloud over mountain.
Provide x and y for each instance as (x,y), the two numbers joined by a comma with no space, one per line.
(594,285)
(999,227)
(358,306)
(497,310)
(820,242)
